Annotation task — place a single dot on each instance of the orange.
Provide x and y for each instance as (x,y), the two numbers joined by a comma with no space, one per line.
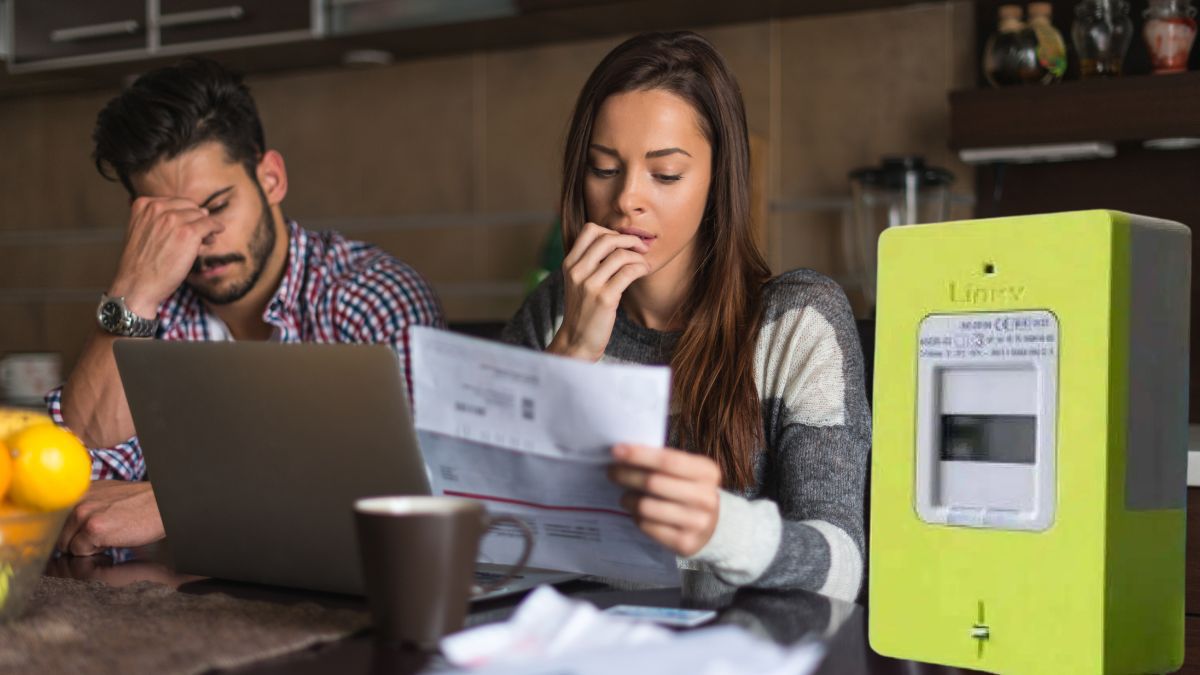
(50,468)
(5,469)
(19,527)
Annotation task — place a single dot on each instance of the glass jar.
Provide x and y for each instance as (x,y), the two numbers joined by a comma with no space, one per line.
(1051,50)
(1101,33)
(1010,56)
(1170,31)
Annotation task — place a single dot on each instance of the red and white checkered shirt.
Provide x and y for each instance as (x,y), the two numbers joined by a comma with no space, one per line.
(333,290)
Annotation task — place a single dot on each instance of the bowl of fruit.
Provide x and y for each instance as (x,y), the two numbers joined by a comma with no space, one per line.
(44,470)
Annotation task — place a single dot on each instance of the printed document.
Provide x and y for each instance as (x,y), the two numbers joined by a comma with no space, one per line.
(530,434)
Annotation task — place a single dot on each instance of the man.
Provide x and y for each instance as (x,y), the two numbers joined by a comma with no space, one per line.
(208,256)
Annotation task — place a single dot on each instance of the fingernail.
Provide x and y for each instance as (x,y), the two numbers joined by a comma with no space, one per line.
(620,451)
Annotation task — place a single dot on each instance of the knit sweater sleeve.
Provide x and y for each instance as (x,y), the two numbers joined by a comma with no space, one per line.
(539,317)
(805,529)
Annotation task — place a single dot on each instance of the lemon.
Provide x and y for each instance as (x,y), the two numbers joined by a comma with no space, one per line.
(50,468)
(13,420)
(6,573)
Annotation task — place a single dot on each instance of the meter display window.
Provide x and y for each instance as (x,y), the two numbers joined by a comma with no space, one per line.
(986,419)
(1009,439)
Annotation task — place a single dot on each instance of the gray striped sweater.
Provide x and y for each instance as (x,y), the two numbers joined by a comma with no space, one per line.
(801,525)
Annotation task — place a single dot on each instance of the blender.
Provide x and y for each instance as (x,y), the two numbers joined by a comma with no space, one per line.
(902,191)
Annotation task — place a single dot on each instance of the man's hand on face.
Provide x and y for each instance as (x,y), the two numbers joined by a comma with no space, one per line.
(113,514)
(161,245)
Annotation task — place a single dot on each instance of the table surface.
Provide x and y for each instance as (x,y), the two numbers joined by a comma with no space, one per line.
(785,617)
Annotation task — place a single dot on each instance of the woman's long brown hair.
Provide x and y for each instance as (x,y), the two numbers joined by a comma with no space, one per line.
(713,362)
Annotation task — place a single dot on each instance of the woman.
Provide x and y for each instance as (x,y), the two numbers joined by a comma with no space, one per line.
(662,268)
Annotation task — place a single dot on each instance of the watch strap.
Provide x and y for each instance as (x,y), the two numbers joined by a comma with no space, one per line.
(128,324)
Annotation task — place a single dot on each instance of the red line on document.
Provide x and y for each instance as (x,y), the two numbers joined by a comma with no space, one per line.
(506,500)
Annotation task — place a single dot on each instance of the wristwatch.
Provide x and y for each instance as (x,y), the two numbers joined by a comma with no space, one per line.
(114,317)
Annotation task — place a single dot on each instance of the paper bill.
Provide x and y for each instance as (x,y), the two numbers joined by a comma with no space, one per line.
(530,434)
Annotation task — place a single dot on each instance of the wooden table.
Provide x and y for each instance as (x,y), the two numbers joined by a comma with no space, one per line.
(784,617)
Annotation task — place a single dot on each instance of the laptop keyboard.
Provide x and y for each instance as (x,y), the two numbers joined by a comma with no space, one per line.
(482,577)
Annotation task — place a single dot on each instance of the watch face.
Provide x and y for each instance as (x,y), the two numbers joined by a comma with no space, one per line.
(110,316)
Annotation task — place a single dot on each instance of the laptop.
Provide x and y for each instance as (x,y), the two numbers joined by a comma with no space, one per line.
(258,450)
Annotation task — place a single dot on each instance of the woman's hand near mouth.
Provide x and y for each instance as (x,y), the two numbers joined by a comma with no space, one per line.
(596,271)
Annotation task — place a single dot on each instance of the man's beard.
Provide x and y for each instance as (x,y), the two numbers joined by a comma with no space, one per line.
(262,243)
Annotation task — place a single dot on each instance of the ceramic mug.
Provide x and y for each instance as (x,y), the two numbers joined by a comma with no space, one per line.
(418,558)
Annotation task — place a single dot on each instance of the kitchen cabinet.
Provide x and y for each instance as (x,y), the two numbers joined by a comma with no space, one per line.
(181,22)
(255,36)
(347,17)
(64,34)
(45,30)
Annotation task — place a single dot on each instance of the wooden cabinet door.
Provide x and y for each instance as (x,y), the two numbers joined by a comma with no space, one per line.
(189,21)
(53,29)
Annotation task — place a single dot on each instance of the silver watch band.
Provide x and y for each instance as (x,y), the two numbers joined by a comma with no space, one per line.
(117,319)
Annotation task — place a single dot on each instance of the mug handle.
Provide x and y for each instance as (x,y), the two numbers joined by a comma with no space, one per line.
(511,572)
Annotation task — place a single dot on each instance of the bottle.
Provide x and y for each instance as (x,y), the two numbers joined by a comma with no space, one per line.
(1010,56)
(1101,33)
(1051,50)
(1169,32)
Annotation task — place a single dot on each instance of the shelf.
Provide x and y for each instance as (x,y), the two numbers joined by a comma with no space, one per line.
(1122,109)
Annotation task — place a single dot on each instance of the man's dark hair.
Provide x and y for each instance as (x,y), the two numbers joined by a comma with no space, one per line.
(171,110)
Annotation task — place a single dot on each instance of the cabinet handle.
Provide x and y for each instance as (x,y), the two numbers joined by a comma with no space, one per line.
(230,13)
(94,31)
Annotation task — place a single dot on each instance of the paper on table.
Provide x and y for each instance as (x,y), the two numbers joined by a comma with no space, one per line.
(551,634)
(545,625)
(530,434)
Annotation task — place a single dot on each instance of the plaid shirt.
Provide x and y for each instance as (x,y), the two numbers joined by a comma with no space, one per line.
(333,290)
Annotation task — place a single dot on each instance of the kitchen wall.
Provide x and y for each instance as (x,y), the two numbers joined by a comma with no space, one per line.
(452,163)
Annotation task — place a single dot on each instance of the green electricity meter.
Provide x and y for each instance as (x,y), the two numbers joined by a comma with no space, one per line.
(1029,456)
